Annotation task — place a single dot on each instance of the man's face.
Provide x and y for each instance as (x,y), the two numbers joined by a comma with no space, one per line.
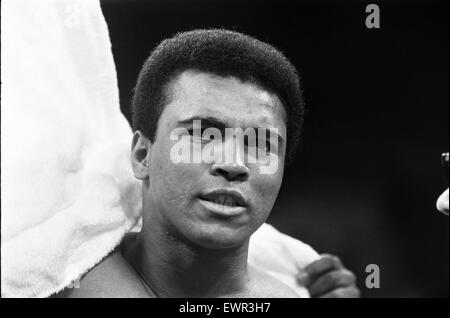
(213,205)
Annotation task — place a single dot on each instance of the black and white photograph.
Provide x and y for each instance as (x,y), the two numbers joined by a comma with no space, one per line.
(246,150)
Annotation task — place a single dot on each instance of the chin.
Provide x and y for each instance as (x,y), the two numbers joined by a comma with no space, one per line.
(222,239)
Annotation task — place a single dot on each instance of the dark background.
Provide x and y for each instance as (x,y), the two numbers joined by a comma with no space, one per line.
(367,175)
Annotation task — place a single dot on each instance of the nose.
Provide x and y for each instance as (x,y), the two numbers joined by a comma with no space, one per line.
(231,171)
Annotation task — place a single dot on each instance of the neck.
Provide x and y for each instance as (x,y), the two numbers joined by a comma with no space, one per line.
(173,267)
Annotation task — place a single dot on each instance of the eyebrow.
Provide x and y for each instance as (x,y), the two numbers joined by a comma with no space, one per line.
(210,121)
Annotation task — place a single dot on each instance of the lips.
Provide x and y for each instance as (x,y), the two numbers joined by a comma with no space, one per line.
(224,202)
(230,198)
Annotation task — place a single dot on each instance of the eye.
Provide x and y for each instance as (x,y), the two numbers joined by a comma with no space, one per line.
(264,144)
(269,144)
(261,144)
(198,135)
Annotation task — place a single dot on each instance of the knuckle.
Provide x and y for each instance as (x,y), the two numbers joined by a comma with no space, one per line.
(342,278)
(351,277)
(330,279)
(335,276)
(337,261)
(328,258)
(333,260)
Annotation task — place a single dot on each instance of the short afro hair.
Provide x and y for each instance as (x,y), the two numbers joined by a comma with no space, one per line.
(224,53)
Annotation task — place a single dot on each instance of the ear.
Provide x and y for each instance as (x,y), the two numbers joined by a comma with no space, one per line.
(140,150)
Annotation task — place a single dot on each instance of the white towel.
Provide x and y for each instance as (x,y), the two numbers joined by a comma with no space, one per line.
(280,256)
(68,194)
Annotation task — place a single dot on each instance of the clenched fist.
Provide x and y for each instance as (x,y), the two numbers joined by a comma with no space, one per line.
(328,278)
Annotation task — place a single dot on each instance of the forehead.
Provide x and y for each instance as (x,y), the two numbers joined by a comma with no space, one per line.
(237,103)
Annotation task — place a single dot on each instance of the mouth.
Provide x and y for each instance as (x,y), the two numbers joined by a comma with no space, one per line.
(224,202)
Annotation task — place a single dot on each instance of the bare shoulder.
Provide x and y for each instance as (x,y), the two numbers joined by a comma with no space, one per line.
(113,277)
(263,285)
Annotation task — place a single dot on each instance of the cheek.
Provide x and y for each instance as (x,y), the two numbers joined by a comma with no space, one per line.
(266,188)
(171,183)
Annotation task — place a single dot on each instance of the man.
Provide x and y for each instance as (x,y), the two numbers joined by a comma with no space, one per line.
(198,216)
